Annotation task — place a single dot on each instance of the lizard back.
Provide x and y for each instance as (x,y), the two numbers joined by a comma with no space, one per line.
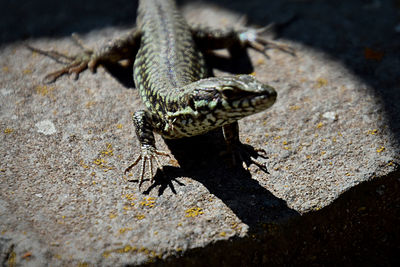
(167,59)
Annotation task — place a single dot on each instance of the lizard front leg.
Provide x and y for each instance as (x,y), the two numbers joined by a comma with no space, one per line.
(241,151)
(211,39)
(115,50)
(144,125)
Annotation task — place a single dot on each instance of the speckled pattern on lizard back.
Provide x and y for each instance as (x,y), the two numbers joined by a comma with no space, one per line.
(167,59)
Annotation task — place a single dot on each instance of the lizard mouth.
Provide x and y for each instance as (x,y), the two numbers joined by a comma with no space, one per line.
(255,102)
(264,100)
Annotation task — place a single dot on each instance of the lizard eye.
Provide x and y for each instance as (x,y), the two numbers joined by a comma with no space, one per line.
(228,92)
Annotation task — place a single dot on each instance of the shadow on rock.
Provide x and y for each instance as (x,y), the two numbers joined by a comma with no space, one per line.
(199,158)
(360,228)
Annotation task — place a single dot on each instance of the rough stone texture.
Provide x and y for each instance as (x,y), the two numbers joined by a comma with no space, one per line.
(332,192)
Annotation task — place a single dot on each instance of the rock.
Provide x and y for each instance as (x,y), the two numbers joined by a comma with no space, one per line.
(332,139)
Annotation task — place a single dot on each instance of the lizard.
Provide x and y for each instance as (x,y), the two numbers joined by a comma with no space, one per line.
(174,81)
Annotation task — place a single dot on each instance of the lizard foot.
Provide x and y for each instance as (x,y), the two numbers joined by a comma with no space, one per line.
(147,155)
(247,155)
(251,37)
(75,64)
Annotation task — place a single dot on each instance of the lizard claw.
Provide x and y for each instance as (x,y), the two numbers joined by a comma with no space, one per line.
(76,67)
(75,64)
(147,155)
(251,37)
(247,155)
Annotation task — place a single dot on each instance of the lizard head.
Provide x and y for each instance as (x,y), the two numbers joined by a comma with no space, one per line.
(230,98)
